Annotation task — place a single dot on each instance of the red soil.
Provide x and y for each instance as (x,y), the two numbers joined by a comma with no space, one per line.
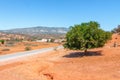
(66,65)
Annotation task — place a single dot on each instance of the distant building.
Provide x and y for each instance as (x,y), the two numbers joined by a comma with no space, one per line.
(42,40)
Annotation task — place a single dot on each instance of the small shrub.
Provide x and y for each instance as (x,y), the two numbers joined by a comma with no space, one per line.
(27,48)
(2,41)
(6,49)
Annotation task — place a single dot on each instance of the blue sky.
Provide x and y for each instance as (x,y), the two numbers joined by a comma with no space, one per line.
(58,13)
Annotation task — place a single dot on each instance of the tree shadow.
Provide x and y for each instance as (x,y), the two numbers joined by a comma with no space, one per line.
(82,54)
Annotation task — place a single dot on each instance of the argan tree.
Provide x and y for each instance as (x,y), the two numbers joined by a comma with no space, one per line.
(86,36)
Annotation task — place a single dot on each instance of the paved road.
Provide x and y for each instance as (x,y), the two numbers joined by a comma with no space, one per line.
(26,53)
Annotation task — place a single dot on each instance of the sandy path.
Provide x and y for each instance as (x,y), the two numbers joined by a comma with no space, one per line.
(16,55)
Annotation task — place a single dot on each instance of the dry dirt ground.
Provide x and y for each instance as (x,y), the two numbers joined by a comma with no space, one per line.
(99,64)
(21,46)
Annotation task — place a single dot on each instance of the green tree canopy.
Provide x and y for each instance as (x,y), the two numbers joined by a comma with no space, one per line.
(85,36)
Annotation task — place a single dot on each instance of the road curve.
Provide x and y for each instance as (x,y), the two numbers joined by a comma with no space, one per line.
(26,53)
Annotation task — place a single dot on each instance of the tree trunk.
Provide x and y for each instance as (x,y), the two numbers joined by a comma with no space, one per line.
(85,51)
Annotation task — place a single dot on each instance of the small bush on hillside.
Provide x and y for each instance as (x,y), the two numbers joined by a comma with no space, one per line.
(116,30)
(27,48)
(2,41)
(6,49)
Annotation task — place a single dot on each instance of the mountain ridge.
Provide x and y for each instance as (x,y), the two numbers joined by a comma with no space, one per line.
(40,31)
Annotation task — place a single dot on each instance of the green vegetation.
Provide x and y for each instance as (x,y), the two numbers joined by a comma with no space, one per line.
(27,48)
(86,36)
(2,41)
(52,40)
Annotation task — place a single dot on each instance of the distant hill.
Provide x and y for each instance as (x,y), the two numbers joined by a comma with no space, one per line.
(6,36)
(40,31)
